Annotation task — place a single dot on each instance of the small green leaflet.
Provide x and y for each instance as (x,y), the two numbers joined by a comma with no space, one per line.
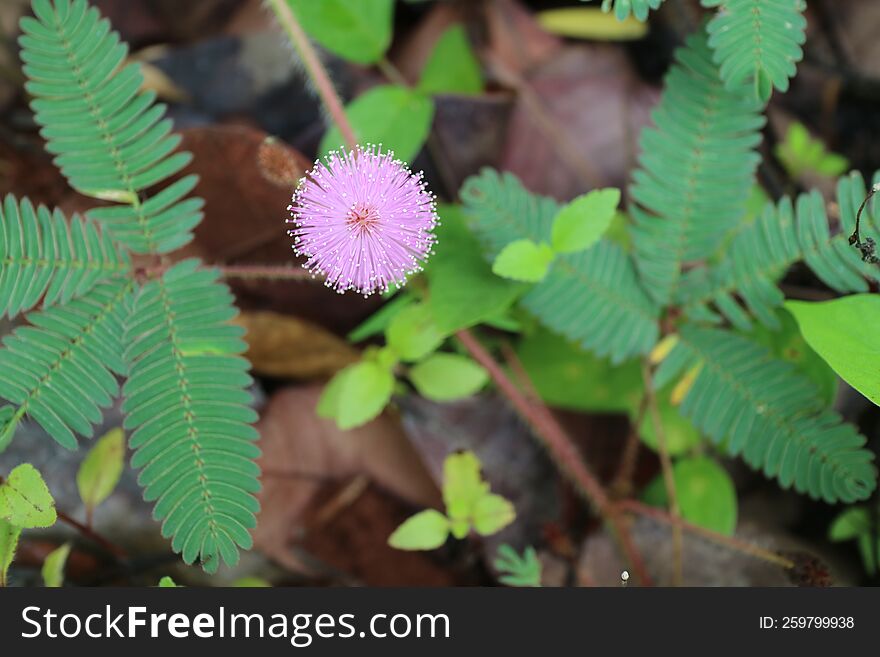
(8,543)
(523,260)
(426,530)
(53,567)
(413,334)
(469,505)
(167,583)
(800,153)
(25,500)
(446,377)
(357,394)
(681,435)
(516,570)
(359,31)
(8,423)
(452,67)
(705,493)
(580,224)
(844,333)
(101,469)
(396,117)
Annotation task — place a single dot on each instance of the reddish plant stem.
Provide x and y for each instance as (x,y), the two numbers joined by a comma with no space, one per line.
(563,451)
(315,68)
(93,536)
(731,542)
(271,272)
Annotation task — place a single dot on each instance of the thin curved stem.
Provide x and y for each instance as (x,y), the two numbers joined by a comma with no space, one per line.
(317,71)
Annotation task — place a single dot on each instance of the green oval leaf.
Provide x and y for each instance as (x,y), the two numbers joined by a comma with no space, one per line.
(492,513)
(25,500)
(396,117)
(101,469)
(523,260)
(844,333)
(359,31)
(53,566)
(425,530)
(444,377)
(706,495)
(357,394)
(581,223)
(452,67)
(413,334)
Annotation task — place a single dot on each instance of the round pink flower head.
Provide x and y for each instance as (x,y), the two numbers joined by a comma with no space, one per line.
(363,220)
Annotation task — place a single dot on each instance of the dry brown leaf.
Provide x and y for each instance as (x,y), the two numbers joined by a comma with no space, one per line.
(302,452)
(284,346)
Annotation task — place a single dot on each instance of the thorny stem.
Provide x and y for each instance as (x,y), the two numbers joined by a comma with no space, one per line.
(92,535)
(868,247)
(668,476)
(315,68)
(563,451)
(731,542)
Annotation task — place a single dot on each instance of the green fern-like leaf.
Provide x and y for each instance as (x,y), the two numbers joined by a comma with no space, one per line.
(638,8)
(761,408)
(697,168)
(188,407)
(43,256)
(760,253)
(110,139)
(61,369)
(757,42)
(593,298)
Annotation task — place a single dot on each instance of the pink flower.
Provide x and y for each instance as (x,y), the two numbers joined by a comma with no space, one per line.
(363,219)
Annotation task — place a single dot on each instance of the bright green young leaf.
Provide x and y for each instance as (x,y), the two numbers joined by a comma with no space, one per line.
(101,469)
(359,31)
(569,377)
(705,493)
(25,500)
(396,117)
(426,530)
(167,583)
(591,23)
(53,567)
(491,514)
(518,570)
(523,260)
(452,67)
(463,289)
(581,223)
(8,543)
(844,333)
(463,486)
(357,394)
(800,153)
(413,334)
(445,377)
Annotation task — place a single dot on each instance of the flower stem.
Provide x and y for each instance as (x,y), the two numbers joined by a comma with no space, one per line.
(315,68)
(668,476)
(563,450)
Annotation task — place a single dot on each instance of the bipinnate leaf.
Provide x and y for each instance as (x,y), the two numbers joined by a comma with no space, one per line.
(25,500)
